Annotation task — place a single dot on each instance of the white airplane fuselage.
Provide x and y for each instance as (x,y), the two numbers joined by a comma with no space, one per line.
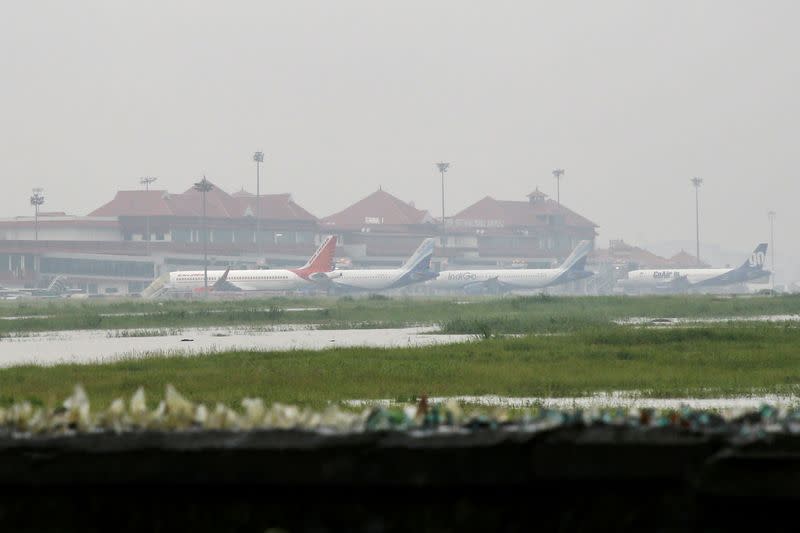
(246,280)
(689,278)
(652,278)
(523,278)
(415,270)
(684,278)
(368,280)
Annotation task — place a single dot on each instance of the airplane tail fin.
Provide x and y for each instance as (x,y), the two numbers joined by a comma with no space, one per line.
(577,259)
(757,258)
(421,258)
(322,260)
(222,281)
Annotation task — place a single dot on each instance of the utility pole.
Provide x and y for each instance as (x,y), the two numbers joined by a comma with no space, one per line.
(204,186)
(146,181)
(771,216)
(37,199)
(697,182)
(258,157)
(442,166)
(557,173)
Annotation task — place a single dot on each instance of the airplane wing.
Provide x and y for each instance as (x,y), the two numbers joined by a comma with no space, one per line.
(423,276)
(676,284)
(492,284)
(324,279)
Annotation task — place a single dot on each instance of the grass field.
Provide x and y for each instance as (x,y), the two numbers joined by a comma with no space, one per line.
(728,359)
(533,314)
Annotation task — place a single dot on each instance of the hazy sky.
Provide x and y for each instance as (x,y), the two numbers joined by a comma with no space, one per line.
(632,98)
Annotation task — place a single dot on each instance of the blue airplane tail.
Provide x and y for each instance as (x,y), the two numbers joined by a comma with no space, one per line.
(757,259)
(420,261)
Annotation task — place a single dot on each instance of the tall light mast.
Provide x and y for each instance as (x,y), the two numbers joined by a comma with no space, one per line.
(443,166)
(37,199)
(557,174)
(771,216)
(146,181)
(258,157)
(203,186)
(697,182)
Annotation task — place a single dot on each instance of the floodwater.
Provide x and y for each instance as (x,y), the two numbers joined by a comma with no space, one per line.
(676,321)
(132,314)
(97,346)
(617,399)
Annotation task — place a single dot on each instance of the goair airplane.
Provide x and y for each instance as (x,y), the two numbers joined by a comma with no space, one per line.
(258,280)
(690,278)
(417,269)
(572,269)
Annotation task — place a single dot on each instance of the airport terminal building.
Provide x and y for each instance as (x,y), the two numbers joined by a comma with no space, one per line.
(121,246)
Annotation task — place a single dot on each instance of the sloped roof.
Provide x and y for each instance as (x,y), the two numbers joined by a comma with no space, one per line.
(683,259)
(510,213)
(241,193)
(132,203)
(621,252)
(537,194)
(379,207)
(273,206)
(219,204)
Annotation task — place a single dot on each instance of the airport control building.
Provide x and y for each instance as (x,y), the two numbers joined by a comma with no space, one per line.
(121,246)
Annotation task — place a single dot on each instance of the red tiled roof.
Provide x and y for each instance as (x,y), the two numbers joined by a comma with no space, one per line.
(145,203)
(509,213)
(684,259)
(274,206)
(219,204)
(379,207)
(241,193)
(621,252)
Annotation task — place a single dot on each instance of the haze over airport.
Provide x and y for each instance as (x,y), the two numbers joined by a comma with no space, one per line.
(631,98)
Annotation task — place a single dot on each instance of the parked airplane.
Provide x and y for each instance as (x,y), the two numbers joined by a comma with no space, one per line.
(415,270)
(689,278)
(57,287)
(256,280)
(572,269)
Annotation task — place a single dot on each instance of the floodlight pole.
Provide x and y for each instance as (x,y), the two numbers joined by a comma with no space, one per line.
(557,173)
(146,181)
(771,216)
(443,166)
(203,186)
(37,199)
(697,182)
(258,157)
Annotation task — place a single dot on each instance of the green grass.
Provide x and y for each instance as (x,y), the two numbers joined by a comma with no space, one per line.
(699,361)
(479,315)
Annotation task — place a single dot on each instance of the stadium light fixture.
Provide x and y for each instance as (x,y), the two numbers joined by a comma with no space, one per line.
(146,181)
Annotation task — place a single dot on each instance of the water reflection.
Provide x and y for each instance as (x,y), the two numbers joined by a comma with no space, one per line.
(89,346)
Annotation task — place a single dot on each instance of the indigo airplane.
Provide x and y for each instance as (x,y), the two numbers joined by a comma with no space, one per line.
(417,269)
(572,269)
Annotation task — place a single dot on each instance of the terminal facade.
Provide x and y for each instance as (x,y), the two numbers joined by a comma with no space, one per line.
(121,246)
